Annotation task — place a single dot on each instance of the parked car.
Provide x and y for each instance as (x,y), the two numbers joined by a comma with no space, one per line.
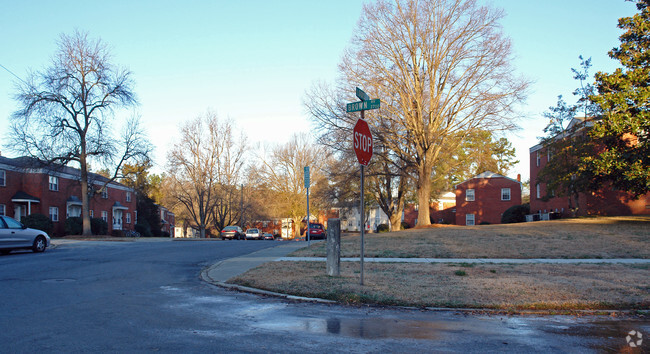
(253,234)
(233,233)
(268,236)
(14,235)
(316,231)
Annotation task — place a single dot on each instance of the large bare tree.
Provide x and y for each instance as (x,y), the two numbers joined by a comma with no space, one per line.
(204,167)
(441,69)
(282,171)
(67,113)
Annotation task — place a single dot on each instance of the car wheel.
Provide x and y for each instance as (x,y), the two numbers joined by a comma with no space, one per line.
(39,244)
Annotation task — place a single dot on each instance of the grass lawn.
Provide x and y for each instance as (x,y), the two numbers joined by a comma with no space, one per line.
(503,286)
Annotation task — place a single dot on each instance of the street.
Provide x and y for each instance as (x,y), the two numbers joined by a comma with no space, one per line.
(148,297)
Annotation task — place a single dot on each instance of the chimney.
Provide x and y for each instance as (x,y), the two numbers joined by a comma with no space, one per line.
(518,177)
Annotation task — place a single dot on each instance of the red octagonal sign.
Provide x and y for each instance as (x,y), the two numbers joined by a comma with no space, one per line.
(362,142)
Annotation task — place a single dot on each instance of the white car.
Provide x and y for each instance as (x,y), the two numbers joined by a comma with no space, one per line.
(254,234)
(14,235)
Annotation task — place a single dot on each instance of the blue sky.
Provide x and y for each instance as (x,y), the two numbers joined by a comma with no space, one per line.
(252,61)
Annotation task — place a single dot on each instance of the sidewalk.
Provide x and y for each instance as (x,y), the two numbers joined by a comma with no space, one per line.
(220,272)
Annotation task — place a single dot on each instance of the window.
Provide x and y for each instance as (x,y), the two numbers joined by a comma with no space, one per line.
(54,213)
(537,153)
(538,190)
(128,197)
(105,193)
(54,183)
(128,218)
(505,193)
(3,209)
(3,178)
(105,216)
(469,195)
(549,154)
(469,219)
(92,213)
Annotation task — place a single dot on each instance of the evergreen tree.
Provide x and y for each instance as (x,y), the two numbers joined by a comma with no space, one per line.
(624,97)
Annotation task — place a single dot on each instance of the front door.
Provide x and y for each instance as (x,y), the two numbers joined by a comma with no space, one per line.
(18,212)
(117,219)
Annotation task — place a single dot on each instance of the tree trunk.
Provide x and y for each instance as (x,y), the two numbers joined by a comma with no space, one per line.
(396,221)
(85,197)
(424,195)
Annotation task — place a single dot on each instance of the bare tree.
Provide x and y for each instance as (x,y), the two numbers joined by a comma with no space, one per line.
(204,167)
(66,113)
(282,171)
(441,69)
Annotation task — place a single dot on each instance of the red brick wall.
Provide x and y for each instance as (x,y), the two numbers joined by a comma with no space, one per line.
(603,202)
(487,205)
(37,185)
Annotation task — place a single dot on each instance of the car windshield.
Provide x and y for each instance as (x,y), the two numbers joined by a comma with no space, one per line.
(253,231)
(315,226)
(230,228)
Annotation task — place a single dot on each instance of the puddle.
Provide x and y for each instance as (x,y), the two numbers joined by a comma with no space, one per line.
(372,328)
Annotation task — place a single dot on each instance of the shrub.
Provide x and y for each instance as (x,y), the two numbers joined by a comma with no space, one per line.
(98,226)
(404,225)
(39,222)
(165,234)
(382,228)
(515,214)
(484,223)
(73,226)
(143,229)
(117,233)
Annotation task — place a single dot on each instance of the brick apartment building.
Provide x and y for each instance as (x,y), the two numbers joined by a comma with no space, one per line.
(27,188)
(485,197)
(606,201)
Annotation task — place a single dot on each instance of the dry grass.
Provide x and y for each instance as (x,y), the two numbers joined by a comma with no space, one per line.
(502,286)
(594,237)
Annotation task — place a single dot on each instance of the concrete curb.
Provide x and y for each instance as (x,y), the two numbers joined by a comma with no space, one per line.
(478,260)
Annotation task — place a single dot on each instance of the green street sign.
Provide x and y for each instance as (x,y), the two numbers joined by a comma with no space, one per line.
(362,95)
(363,105)
(306,176)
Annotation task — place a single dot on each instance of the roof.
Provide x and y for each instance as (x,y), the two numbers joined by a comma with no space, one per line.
(587,121)
(32,163)
(21,196)
(487,175)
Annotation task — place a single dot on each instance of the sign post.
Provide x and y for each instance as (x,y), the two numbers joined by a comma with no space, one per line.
(307,187)
(363,146)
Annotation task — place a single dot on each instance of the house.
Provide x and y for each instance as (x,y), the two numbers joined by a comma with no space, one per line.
(485,197)
(167,220)
(28,187)
(441,211)
(606,201)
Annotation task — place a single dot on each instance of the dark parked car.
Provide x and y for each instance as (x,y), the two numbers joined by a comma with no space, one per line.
(316,232)
(233,233)
(14,235)
(268,236)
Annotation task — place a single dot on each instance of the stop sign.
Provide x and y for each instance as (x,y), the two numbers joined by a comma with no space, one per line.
(362,142)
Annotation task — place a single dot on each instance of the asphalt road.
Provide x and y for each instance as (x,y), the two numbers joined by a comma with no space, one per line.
(148,297)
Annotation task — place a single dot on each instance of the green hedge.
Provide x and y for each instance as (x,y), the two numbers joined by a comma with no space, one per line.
(74,226)
(515,214)
(39,222)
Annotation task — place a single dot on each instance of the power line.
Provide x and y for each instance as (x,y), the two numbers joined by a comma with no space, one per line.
(12,73)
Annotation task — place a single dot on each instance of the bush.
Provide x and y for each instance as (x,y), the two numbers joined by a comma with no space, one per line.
(73,226)
(382,228)
(98,226)
(484,223)
(404,225)
(165,234)
(143,229)
(39,222)
(117,233)
(515,214)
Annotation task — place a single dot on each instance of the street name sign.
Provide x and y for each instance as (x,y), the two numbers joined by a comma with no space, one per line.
(363,105)
(362,95)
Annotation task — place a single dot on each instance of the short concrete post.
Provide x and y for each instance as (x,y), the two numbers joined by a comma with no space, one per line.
(333,247)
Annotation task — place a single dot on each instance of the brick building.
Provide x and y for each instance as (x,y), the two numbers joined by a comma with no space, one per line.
(606,201)
(27,187)
(484,198)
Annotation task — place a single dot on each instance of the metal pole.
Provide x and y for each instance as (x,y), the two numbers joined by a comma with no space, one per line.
(363,222)
(308,236)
